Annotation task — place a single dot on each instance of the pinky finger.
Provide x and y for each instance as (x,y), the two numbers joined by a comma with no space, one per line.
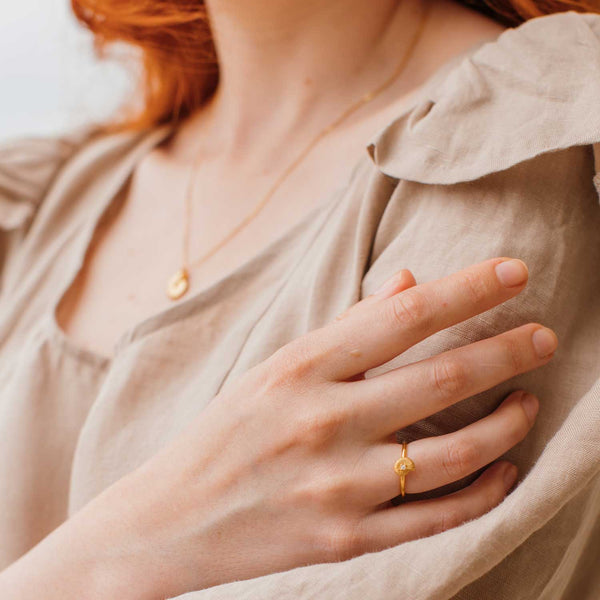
(421,518)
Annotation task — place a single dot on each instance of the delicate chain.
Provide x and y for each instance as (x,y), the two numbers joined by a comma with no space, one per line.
(349,111)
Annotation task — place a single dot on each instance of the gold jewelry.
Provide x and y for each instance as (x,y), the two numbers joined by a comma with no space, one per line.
(403,466)
(178,283)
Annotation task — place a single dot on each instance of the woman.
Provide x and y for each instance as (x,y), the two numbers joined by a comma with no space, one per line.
(239,439)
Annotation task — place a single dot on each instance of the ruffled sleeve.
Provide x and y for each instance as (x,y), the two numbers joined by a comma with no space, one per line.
(534,90)
(28,168)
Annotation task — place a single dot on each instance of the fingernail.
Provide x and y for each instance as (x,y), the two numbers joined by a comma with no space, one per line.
(389,285)
(544,341)
(512,272)
(510,475)
(531,406)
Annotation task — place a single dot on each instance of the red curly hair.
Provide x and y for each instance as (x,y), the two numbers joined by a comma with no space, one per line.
(180,69)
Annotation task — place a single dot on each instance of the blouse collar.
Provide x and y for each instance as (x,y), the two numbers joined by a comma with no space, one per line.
(533,89)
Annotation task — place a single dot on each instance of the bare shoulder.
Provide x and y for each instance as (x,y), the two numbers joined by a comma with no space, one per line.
(458,27)
(453,30)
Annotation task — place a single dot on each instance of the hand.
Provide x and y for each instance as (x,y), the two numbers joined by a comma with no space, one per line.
(292,464)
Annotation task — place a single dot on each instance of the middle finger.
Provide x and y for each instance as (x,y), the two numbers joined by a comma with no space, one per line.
(393,400)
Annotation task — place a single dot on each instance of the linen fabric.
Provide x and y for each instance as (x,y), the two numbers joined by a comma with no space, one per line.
(497,156)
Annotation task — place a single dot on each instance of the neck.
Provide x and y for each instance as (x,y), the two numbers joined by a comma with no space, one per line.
(290,66)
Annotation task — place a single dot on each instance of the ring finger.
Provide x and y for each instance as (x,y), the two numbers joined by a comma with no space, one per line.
(440,460)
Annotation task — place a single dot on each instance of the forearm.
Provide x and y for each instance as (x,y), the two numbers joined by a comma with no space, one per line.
(55,569)
(85,557)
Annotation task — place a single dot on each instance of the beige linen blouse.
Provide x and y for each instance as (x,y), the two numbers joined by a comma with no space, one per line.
(498,155)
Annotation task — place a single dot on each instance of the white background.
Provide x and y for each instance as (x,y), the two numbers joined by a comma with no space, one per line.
(50,80)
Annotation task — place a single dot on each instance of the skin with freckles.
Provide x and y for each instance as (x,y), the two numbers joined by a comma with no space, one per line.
(224,501)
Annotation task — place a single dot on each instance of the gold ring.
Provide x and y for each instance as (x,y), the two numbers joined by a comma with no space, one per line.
(403,466)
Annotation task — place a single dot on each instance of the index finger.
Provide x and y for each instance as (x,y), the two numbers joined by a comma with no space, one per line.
(379,331)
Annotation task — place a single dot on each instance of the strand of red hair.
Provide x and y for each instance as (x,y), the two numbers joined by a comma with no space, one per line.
(179,67)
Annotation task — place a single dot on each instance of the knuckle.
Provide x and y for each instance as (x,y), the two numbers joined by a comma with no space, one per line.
(342,540)
(514,354)
(411,308)
(325,491)
(343,314)
(311,494)
(450,376)
(338,490)
(261,380)
(447,518)
(476,287)
(459,457)
(317,429)
(295,361)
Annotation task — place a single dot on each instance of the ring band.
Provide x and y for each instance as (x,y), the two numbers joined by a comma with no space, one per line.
(403,466)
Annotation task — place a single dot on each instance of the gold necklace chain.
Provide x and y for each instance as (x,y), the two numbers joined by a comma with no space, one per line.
(178,283)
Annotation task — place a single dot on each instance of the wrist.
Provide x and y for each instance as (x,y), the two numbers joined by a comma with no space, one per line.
(91,555)
(119,553)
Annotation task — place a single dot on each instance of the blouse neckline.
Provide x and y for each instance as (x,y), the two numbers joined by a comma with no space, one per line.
(164,317)
(172,313)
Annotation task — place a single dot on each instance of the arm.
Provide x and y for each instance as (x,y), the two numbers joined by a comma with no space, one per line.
(226,502)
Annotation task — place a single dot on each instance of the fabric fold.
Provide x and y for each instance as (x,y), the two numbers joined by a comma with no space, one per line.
(27,168)
(484,542)
(509,101)
(521,110)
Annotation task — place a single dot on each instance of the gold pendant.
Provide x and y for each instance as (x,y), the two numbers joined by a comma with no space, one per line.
(178,284)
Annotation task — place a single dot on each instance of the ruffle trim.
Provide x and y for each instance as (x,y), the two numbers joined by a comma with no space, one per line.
(27,168)
(534,89)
